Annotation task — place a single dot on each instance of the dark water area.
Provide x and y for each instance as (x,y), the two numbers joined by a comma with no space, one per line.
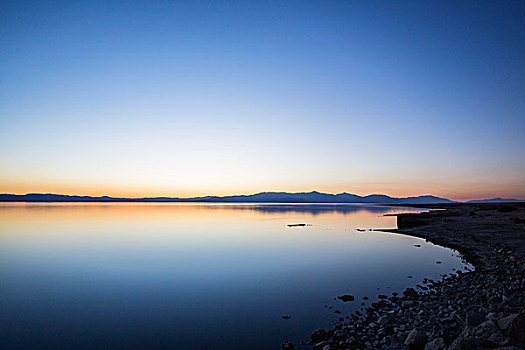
(195,276)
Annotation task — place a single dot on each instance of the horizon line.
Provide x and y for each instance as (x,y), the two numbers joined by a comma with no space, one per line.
(255,193)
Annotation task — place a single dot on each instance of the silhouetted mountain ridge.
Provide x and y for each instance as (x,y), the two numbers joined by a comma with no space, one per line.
(495,200)
(262,197)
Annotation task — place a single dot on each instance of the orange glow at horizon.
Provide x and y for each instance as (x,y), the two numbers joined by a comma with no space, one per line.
(458,192)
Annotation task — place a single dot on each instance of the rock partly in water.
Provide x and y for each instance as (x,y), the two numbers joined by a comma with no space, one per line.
(346,297)
(287,345)
(319,335)
(321,345)
(410,293)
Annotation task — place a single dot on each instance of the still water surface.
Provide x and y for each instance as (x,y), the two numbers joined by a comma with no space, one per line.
(195,276)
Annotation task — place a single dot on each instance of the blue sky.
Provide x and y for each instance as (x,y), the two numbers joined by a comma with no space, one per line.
(193,98)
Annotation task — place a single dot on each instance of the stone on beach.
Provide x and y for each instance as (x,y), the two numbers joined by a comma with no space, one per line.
(517,330)
(436,344)
(416,340)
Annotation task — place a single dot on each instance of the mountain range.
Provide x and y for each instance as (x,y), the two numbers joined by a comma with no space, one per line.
(262,197)
(496,200)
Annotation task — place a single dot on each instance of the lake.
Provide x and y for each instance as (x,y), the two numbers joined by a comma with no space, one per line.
(196,276)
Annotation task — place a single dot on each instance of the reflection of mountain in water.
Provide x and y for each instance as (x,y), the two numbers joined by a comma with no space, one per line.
(314,209)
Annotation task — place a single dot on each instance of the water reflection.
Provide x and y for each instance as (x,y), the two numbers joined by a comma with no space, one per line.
(193,275)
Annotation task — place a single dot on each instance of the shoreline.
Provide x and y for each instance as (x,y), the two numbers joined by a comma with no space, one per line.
(480,309)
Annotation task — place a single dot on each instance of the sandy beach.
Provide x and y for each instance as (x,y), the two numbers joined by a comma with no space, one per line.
(482,309)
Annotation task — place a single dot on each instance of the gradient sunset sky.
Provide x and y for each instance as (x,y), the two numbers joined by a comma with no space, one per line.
(188,98)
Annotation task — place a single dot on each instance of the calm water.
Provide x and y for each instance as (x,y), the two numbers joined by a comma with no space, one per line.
(194,276)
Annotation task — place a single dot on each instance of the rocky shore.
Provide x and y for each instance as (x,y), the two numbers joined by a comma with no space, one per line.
(482,309)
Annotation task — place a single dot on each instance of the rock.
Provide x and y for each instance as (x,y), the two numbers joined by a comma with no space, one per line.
(346,297)
(351,340)
(385,319)
(517,330)
(465,341)
(470,343)
(504,323)
(410,293)
(489,332)
(320,345)
(340,334)
(492,316)
(416,339)
(407,303)
(382,296)
(319,335)
(475,318)
(436,344)
(287,345)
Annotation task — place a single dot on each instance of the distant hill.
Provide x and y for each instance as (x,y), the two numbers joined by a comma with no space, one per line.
(495,200)
(263,197)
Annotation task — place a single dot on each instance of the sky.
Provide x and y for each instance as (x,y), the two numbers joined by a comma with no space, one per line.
(190,98)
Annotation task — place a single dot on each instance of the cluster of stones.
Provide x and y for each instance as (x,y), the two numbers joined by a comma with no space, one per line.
(474,310)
